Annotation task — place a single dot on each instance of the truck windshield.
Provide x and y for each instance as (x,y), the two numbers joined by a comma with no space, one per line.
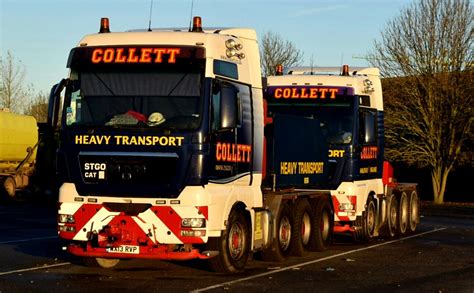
(337,123)
(169,98)
(335,118)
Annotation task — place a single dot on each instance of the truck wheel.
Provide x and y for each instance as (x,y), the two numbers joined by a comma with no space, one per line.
(414,211)
(233,245)
(105,263)
(403,215)
(280,247)
(323,225)
(9,186)
(392,216)
(368,221)
(302,228)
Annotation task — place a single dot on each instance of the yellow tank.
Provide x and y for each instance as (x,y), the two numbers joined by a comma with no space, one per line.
(17,134)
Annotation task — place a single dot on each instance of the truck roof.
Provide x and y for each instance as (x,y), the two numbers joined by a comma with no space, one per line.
(331,70)
(140,37)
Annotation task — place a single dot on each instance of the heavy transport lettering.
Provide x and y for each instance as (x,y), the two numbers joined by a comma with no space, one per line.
(310,167)
(146,140)
(336,153)
(306,168)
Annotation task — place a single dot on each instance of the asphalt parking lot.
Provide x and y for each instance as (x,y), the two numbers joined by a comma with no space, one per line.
(438,258)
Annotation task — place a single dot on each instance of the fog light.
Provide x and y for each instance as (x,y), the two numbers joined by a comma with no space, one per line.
(193,223)
(67,228)
(62,218)
(193,233)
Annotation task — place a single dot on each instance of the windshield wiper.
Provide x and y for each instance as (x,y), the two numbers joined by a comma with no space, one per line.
(177,84)
(103,82)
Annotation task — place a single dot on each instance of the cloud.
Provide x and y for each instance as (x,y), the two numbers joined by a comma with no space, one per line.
(307,12)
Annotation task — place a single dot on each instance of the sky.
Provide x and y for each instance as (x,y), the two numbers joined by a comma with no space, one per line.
(40,33)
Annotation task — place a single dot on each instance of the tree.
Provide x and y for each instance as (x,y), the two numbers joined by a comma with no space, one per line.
(13,93)
(274,50)
(426,53)
(39,107)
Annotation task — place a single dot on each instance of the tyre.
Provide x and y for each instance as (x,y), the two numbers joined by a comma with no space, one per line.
(414,211)
(105,263)
(392,216)
(9,186)
(368,221)
(403,214)
(323,225)
(303,227)
(233,245)
(280,247)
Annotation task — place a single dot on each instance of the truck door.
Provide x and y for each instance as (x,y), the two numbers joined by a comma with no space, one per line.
(369,144)
(231,128)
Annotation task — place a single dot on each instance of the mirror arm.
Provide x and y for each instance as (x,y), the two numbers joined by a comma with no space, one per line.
(54,102)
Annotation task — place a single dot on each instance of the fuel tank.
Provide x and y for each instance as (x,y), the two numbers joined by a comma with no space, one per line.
(17,134)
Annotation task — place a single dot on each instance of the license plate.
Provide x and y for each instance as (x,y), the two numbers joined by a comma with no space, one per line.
(130,249)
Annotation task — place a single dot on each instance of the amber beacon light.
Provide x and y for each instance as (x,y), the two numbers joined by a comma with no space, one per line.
(197,24)
(104,25)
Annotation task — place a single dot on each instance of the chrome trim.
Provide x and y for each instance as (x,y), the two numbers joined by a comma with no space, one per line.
(130,154)
(230,179)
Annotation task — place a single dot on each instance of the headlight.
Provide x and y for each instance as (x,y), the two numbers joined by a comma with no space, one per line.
(193,223)
(230,43)
(231,53)
(66,219)
(368,86)
(346,207)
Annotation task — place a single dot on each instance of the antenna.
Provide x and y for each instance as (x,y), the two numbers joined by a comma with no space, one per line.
(312,63)
(342,59)
(191,15)
(149,20)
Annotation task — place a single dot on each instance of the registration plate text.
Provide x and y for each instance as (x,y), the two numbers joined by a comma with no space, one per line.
(130,249)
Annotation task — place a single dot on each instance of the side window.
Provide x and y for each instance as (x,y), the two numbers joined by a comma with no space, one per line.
(73,112)
(216,108)
(367,127)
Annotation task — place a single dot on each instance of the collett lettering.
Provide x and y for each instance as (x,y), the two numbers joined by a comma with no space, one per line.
(134,55)
(369,153)
(230,152)
(305,93)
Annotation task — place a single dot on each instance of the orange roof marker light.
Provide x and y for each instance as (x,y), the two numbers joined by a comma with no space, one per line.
(104,25)
(345,70)
(197,24)
(279,69)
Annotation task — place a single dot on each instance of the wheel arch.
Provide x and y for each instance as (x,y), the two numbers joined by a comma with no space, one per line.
(241,207)
(373,195)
